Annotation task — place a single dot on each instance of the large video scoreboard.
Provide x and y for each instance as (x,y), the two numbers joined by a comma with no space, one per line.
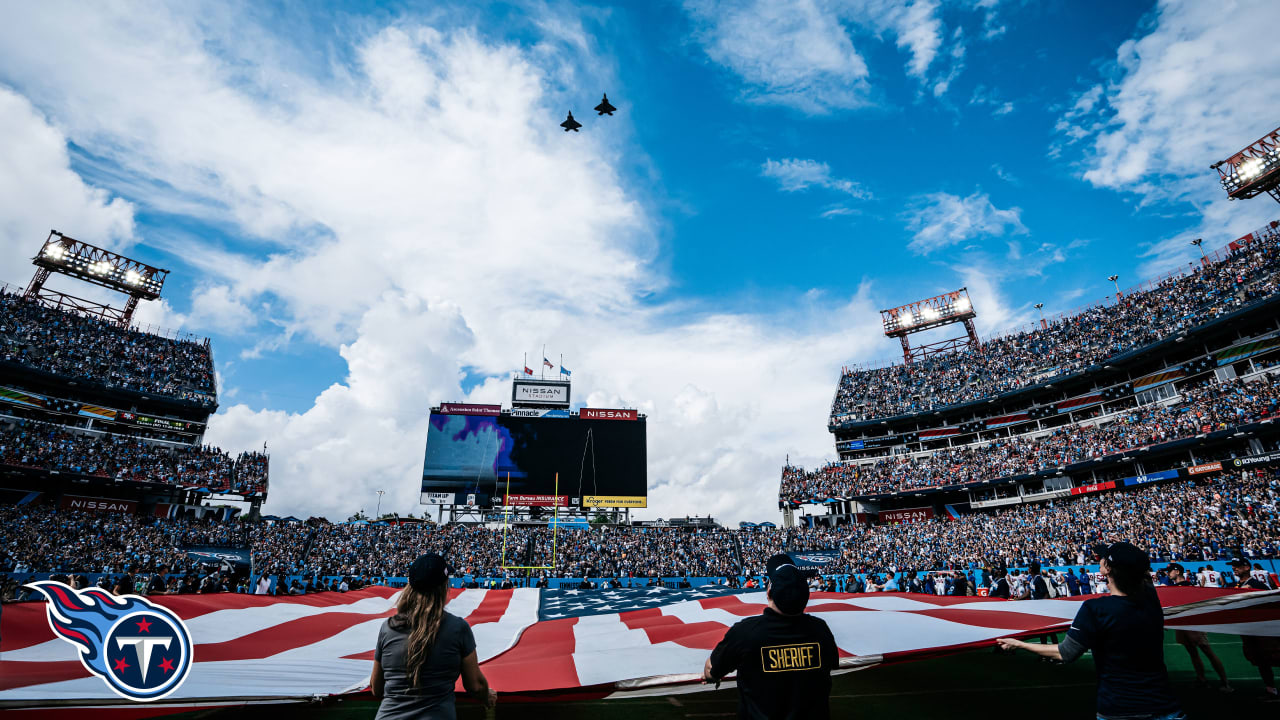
(479,456)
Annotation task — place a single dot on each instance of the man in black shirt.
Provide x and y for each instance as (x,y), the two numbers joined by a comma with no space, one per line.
(1000,589)
(783,657)
(1262,652)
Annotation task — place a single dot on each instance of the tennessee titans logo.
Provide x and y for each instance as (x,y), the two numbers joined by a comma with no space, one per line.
(140,649)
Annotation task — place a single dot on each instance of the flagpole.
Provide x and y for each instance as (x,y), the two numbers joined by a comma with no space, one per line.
(525,365)
(561,366)
(542,369)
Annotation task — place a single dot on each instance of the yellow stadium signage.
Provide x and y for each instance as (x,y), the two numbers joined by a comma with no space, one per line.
(620,501)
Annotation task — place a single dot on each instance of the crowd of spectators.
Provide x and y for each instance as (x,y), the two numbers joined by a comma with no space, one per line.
(1201,409)
(1192,520)
(44,446)
(1066,345)
(87,348)
(1189,521)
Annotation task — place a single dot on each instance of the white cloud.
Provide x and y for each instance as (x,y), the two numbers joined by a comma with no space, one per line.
(39,192)
(1189,91)
(422,213)
(795,174)
(789,53)
(940,220)
(801,54)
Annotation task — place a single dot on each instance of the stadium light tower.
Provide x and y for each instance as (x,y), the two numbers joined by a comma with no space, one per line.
(934,312)
(378,513)
(1199,243)
(1043,325)
(1252,171)
(80,260)
(1115,280)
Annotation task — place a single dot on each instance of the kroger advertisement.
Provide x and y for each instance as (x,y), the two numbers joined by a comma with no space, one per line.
(596,458)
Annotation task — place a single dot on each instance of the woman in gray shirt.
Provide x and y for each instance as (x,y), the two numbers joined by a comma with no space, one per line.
(422,650)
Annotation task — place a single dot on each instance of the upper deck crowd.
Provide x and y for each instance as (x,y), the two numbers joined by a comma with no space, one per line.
(79,347)
(1067,345)
(1202,409)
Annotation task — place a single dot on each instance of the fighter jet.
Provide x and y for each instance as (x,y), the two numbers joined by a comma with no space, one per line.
(571,124)
(604,108)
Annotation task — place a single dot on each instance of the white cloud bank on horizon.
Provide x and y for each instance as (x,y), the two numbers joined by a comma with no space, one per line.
(397,214)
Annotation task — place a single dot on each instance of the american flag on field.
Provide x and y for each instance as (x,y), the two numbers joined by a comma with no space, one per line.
(589,643)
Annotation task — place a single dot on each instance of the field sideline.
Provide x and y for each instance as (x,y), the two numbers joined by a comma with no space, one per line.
(974,684)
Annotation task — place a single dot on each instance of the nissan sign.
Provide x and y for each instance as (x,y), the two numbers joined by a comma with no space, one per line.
(526,392)
(607,414)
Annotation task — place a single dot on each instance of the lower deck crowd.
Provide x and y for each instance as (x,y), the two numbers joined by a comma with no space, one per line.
(1190,521)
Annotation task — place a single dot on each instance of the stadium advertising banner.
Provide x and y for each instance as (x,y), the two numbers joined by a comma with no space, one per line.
(214,555)
(1150,478)
(97,504)
(438,498)
(617,501)
(521,456)
(1205,468)
(815,558)
(537,500)
(462,409)
(906,515)
(608,414)
(540,393)
(1096,487)
(540,412)
(1256,460)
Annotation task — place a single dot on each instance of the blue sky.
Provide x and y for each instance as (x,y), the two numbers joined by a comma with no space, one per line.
(370,208)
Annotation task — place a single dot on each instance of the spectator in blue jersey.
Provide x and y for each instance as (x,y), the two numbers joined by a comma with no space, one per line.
(1125,632)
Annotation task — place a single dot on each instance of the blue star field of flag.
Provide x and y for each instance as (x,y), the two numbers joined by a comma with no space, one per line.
(565,603)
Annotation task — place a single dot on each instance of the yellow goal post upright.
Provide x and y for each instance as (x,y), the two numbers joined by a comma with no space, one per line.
(555,528)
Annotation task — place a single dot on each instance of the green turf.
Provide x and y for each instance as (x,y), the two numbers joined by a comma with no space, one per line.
(974,684)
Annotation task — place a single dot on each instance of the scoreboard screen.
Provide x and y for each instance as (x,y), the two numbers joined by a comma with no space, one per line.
(513,459)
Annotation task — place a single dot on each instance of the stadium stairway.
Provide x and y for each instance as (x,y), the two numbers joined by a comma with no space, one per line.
(306,548)
(737,550)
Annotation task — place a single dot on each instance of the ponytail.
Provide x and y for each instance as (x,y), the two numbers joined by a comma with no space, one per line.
(419,615)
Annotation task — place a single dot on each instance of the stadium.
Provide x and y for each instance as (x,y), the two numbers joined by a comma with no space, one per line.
(969,493)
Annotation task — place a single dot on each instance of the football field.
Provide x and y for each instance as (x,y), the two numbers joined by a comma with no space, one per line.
(974,684)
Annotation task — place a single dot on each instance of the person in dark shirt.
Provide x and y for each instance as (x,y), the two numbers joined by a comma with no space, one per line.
(1263,652)
(422,650)
(1125,631)
(1194,641)
(1000,589)
(783,657)
(960,584)
(156,585)
(1073,586)
(1038,585)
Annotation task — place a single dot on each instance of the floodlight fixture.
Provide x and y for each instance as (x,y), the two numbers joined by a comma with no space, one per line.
(1040,307)
(1254,170)
(1115,281)
(934,312)
(68,256)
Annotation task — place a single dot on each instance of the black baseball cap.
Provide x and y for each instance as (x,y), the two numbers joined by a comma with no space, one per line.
(1176,566)
(1123,553)
(1238,561)
(787,586)
(428,572)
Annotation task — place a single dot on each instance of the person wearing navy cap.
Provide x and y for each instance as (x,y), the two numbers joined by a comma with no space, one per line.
(423,649)
(783,657)
(1125,631)
(1261,651)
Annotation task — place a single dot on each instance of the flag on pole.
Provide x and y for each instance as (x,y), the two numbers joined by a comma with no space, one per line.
(528,370)
(547,363)
(565,371)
